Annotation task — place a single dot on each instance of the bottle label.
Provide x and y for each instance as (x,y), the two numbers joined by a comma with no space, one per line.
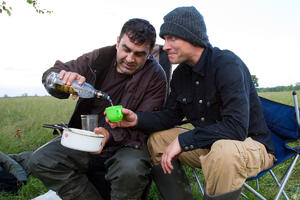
(65,88)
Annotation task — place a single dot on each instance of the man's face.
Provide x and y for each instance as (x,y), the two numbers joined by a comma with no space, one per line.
(179,51)
(130,57)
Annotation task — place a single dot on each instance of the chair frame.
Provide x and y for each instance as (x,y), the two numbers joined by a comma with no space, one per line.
(283,180)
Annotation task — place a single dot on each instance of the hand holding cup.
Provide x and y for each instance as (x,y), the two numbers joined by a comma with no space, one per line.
(129,119)
(114,113)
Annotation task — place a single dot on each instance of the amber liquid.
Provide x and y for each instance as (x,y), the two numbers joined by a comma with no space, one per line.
(69,89)
(65,88)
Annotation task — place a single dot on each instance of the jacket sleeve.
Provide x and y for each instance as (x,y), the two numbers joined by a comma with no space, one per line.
(82,66)
(233,84)
(11,166)
(165,119)
(155,94)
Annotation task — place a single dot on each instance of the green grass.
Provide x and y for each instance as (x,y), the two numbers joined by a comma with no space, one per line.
(29,113)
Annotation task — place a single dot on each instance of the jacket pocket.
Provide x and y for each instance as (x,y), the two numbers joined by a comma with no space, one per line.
(254,158)
(213,109)
(186,104)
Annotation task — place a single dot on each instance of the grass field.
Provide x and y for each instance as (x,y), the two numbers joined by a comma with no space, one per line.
(27,114)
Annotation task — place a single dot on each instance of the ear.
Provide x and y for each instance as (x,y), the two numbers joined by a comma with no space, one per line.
(118,42)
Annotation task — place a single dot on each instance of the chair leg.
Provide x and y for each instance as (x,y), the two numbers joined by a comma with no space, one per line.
(198,181)
(287,176)
(278,184)
(254,192)
(244,196)
(257,185)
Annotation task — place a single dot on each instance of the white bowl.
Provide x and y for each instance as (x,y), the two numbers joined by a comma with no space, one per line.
(81,140)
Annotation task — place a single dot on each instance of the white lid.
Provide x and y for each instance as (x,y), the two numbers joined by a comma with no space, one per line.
(84,132)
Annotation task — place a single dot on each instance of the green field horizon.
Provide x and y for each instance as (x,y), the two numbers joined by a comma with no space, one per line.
(27,114)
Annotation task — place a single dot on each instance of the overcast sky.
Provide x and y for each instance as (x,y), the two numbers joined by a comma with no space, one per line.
(264,33)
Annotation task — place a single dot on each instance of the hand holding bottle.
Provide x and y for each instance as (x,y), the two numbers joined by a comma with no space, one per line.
(73,83)
(68,78)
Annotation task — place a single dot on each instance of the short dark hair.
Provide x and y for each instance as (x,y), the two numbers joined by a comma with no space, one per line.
(139,31)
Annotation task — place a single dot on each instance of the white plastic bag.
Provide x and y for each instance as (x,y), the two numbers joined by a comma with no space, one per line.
(50,195)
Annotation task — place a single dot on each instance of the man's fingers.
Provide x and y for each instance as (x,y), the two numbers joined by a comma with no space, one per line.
(167,168)
(81,79)
(69,77)
(125,111)
(73,76)
(102,131)
(163,163)
(170,166)
(74,96)
(112,125)
(99,130)
(62,74)
(65,79)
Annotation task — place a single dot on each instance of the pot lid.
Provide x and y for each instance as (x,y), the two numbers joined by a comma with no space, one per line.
(84,132)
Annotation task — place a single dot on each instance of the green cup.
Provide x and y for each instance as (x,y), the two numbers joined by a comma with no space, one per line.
(114,113)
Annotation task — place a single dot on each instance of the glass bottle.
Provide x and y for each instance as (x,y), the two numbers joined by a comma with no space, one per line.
(85,90)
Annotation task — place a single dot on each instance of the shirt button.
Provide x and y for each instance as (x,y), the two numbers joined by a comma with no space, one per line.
(202,119)
(197,82)
(186,148)
(200,101)
(191,146)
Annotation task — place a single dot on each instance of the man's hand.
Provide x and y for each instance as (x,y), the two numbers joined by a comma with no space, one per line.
(171,151)
(129,119)
(105,133)
(68,78)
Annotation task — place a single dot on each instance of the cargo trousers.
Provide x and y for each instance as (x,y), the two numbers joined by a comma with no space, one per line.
(80,175)
(225,166)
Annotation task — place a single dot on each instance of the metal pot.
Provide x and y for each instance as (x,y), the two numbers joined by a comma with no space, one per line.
(81,140)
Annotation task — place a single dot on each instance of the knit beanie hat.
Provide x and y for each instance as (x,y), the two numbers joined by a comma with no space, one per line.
(185,23)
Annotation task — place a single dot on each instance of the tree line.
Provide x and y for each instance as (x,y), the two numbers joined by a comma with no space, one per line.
(274,89)
(279,88)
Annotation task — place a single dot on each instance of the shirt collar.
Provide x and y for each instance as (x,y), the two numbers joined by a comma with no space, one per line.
(199,67)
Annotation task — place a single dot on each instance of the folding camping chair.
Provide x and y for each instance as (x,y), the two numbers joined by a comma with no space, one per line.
(284,124)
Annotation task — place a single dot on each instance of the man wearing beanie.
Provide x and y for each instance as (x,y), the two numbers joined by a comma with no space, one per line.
(214,90)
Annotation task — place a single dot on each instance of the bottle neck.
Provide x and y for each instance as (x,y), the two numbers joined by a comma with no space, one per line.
(99,94)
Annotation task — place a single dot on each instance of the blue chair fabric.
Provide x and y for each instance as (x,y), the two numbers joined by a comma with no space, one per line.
(284,125)
(281,120)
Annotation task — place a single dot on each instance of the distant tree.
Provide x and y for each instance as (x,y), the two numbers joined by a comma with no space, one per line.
(255,80)
(5,96)
(297,87)
(25,95)
(35,4)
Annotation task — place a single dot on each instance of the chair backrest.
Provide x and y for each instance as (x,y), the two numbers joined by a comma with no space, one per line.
(281,120)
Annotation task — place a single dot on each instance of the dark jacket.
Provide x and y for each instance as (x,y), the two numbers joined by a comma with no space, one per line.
(218,97)
(13,171)
(145,91)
